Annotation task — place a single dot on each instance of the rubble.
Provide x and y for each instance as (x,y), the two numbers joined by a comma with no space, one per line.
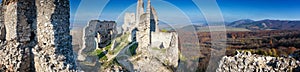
(247,62)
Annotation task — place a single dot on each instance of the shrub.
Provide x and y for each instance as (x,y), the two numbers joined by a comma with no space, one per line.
(164,30)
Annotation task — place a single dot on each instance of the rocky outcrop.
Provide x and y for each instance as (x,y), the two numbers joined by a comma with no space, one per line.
(37,36)
(247,62)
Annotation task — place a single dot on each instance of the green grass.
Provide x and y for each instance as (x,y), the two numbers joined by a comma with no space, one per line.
(99,53)
(122,41)
(161,50)
(133,49)
(95,52)
(164,30)
(103,59)
(108,47)
(109,64)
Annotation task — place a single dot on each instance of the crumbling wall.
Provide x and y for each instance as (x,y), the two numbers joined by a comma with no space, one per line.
(89,43)
(161,39)
(54,50)
(107,31)
(37,36)
(19,23)
(2,26)
(129,22)
(97,34)
(153,20)
(167,43)
(143,33)
(157,51)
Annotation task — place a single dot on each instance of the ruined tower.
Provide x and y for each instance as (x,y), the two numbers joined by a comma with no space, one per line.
(143,33)
(139,11)
(153,20)
(37,36)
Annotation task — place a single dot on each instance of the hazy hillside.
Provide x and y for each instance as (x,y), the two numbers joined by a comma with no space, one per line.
(270,24)
(239,22)
(206,28)
(248,24)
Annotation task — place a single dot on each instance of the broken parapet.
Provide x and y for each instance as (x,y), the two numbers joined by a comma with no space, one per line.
(37,36)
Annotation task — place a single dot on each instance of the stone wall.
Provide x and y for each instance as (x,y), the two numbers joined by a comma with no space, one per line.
(129,22)
(89,43)
(106,32)
(54,51)
(167,43)
(2,26)
(153,20)
(143,34)
(162,39)
(96,34)
(19,23)
(247,62)
(157,51)
(37,36)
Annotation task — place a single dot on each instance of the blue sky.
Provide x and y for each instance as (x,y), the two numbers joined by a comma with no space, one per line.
(85,10)
(231,9)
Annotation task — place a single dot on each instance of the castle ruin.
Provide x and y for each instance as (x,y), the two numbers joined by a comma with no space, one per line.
(97,34)
(146,33)
(35,36)
(144,27)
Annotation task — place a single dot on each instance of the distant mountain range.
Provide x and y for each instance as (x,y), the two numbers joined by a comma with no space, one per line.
(266,24)
(248,24)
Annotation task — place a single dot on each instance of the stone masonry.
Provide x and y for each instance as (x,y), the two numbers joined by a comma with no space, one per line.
(157,51)
(97,34)
(247,62)
(19,23)
(37,36)
(54,51)
(143,33)
(129,22)
(2,27)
